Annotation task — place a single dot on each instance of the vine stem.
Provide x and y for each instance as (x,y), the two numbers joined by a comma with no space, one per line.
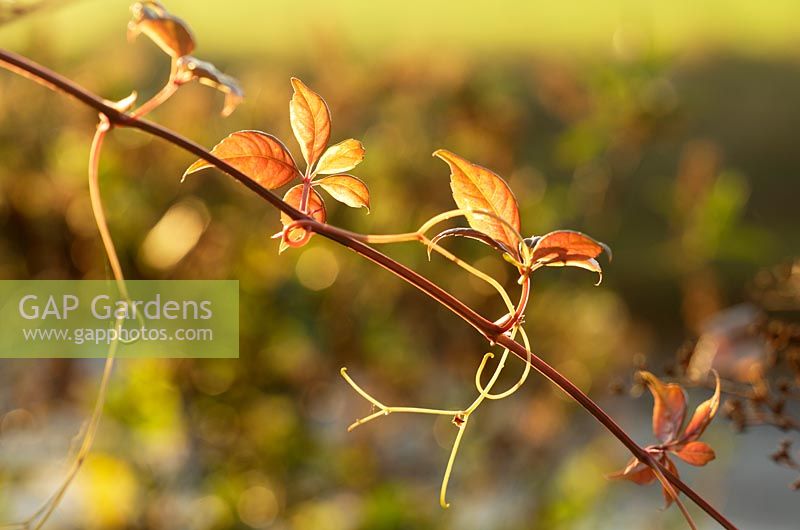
(612,426)
(97,205)
(38,519)
(47,509)
(166,92)
(488,329)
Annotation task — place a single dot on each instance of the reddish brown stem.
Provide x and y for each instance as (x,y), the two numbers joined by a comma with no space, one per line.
(608,422)
(306,193)
(513,320)
(491,331)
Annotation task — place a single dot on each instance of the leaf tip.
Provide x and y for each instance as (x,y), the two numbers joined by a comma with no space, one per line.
(194,168)
(125,104)
(607,250)
(444,154)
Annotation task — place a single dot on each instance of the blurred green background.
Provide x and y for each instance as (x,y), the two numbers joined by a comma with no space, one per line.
(666,129)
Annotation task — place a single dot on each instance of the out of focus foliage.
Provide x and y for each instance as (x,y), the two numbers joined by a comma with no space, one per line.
(683,159)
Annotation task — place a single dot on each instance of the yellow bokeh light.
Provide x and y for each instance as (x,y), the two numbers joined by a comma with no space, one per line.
(317,268)
(257,506)
(108,490)
(175,235)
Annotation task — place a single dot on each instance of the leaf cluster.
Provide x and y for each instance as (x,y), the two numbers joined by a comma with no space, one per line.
(669,415)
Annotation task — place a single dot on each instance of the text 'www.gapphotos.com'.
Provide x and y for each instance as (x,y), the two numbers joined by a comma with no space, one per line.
(109,335)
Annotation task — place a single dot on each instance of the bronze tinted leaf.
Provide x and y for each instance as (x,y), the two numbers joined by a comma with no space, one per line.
(316,210)
(567,248)
(341,157)
(169,32)
(477,188)
(669,407)
(703,415)
(636,472)
(347,189)
(563,245)
(696,453)
(207,74)
(311,121)
(259,155)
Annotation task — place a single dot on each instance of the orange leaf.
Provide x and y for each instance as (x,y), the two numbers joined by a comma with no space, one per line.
(347,189)
(476,188)
(311,121)
(315,208)
(703,415)
(669,407)
(260,156)
(341,157)
(568,248)
(696,453)
(170,33)
(563,245)
(636,472)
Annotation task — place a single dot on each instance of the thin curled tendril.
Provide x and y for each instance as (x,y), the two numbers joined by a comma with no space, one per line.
(460,417)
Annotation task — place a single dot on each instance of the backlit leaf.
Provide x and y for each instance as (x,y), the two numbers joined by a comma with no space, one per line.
(341,157)
(207,74)
(259,155)
(311,121)
(696,453)
(315,208)
(565,245)
(636,472)
(169,32)
(703,415)
(567,248)
(669,407)
(476,188)
(347,189)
